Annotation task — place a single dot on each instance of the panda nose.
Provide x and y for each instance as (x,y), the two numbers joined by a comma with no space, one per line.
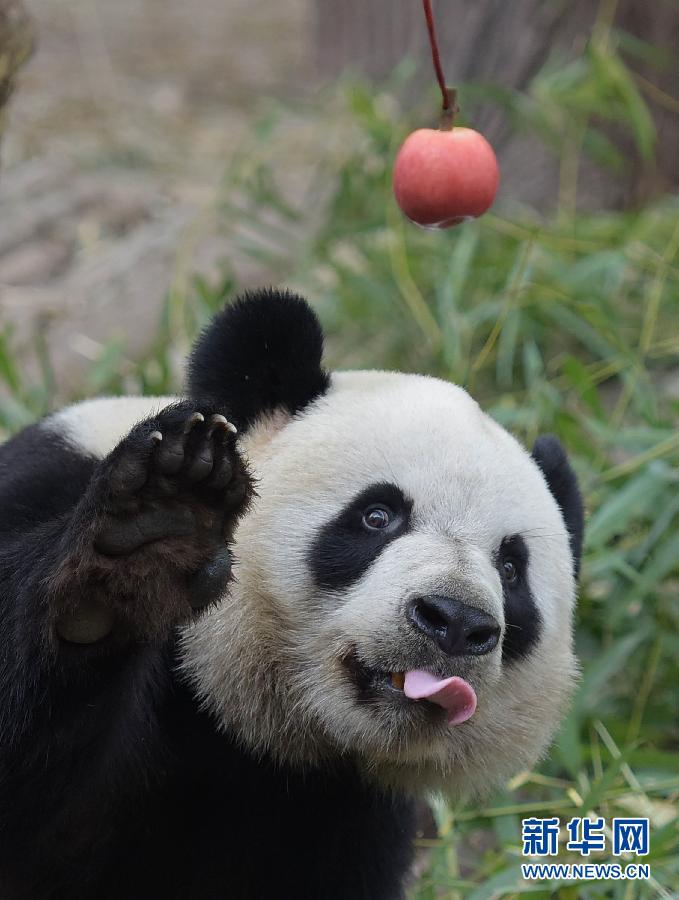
(457,628)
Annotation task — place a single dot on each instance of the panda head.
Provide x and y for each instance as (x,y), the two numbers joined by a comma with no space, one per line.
(405,578)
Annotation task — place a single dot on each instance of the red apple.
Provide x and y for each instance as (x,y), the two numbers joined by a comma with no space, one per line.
(442,178)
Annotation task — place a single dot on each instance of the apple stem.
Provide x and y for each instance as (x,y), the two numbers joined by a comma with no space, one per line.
(449,107)
(449,110)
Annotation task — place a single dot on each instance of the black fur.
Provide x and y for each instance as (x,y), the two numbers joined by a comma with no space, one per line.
(262,352)
(345,550)
(33,489)
(113,784)
(522,617)
(563,483)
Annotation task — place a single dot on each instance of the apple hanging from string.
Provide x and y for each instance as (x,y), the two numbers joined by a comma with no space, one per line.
(444,176)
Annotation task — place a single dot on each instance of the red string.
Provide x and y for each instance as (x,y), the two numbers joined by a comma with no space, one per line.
(436,59)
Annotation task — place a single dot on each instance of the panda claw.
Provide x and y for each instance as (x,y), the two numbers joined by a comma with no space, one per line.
(193,420)
(218,423)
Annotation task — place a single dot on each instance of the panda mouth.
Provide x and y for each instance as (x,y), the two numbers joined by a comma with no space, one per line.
(368,679)
(398,680)
(452,694)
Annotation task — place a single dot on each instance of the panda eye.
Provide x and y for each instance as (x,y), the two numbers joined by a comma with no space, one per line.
(510,571)
(375,518)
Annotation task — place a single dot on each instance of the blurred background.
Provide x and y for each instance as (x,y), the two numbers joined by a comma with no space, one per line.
(158,156)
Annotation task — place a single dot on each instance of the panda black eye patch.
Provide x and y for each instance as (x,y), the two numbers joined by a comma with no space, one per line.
(521,613)
(348,545)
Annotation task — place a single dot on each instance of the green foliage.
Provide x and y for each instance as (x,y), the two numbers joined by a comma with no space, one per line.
(567,324)
(570,326)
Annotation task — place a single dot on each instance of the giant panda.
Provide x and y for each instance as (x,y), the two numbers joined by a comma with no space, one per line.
(243,630)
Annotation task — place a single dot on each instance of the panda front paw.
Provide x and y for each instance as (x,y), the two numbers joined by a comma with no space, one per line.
(149,545)
(176,476)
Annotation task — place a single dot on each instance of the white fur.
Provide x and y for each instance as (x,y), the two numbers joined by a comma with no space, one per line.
(267,659)
(95,426)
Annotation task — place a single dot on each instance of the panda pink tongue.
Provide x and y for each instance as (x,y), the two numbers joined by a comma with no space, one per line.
(454,694)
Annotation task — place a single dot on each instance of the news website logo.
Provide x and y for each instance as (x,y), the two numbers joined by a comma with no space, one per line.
(583,835)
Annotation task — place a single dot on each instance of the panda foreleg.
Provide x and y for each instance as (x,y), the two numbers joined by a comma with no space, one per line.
(89,597)
(147,545)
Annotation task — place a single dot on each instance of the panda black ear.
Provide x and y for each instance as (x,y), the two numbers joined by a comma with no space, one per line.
(261,352)
(562,482)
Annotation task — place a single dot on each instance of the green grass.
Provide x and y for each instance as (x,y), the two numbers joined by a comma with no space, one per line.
(567,323)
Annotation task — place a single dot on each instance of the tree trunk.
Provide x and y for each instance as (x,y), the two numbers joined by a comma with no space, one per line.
(16,44)
(507,43)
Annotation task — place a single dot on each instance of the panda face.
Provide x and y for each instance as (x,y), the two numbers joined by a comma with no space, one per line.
(404,591)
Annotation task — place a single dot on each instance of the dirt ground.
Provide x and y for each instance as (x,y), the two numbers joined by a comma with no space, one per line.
(134,72)
(119,134)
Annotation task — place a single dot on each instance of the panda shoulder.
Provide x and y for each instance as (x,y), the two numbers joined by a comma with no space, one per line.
(94,427)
